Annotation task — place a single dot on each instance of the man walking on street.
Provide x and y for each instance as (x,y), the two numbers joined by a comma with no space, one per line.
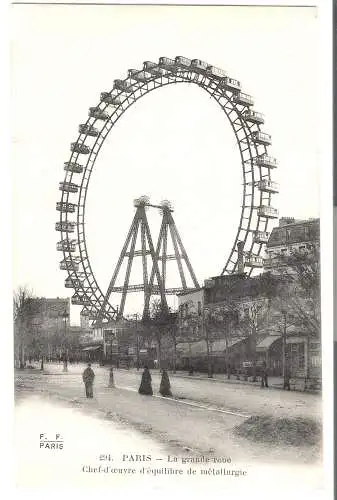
(88,379)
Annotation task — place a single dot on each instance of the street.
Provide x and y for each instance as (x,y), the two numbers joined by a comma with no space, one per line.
(236,397)
(201,421)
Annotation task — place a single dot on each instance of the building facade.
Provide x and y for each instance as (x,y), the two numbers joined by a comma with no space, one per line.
(299,239)
(245,321)
(52,314)
(291,236)
(122,343)
(45,331)
(221,322)
(190,314)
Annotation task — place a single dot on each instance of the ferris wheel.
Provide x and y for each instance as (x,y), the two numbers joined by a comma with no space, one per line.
(256,164)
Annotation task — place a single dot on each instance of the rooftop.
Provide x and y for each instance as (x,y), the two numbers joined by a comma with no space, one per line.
(294,231)
(188,292)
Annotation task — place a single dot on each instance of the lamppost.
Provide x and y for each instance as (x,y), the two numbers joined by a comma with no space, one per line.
(254,313)
(137,340)
(111,338)
(286,375)
(65,316)
(206,323)
(42,353)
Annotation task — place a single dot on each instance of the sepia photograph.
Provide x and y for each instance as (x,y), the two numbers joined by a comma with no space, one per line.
(166,166)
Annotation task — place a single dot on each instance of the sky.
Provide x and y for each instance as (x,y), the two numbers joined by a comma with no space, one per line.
(173,144)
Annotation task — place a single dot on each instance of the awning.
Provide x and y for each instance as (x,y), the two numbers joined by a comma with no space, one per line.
(191,348)
(200,347)
(92,348)
(278,328)
(220,345)
(267,342)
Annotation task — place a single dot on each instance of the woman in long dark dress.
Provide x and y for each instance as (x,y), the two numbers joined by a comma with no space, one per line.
(165,386)
(146,383)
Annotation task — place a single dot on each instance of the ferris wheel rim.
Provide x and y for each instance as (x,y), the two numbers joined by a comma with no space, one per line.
(171,79)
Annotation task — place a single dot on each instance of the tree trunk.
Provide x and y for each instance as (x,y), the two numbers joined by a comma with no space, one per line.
(159,353)
(174,357)
(42,365)
(209,364)
(22,356)
(174,351)
(307,355)
(137,352)
(227,353)
(285,370)
(306,362)
(65,364)
(254,353)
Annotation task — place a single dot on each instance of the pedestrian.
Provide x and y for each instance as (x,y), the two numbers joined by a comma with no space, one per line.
(146,383)
(264,375)
(88,379)
(165,386)
(111,378)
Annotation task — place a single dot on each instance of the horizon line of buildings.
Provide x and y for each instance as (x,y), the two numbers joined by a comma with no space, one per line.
(100,342)
(303,353)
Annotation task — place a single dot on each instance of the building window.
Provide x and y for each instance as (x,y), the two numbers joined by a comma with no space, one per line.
(199,308)
(315,361)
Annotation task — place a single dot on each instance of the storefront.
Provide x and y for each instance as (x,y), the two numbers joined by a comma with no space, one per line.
(93,353)
(222,354)
(302,355)
(269,350)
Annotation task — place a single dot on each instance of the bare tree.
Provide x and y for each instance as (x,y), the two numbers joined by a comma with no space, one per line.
(171,332)
(244,310)
(218,324)
(160,326)
(299,290)
(191,323)
(252,324)
(298,300)
(25,307)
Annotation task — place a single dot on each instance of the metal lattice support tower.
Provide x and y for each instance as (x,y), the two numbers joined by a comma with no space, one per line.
(167,228)
(139,224)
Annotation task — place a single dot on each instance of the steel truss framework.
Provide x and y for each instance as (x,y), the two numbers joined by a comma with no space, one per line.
(140,226)
(257,165)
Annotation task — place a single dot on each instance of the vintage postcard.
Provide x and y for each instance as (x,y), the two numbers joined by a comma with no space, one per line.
(168,168)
